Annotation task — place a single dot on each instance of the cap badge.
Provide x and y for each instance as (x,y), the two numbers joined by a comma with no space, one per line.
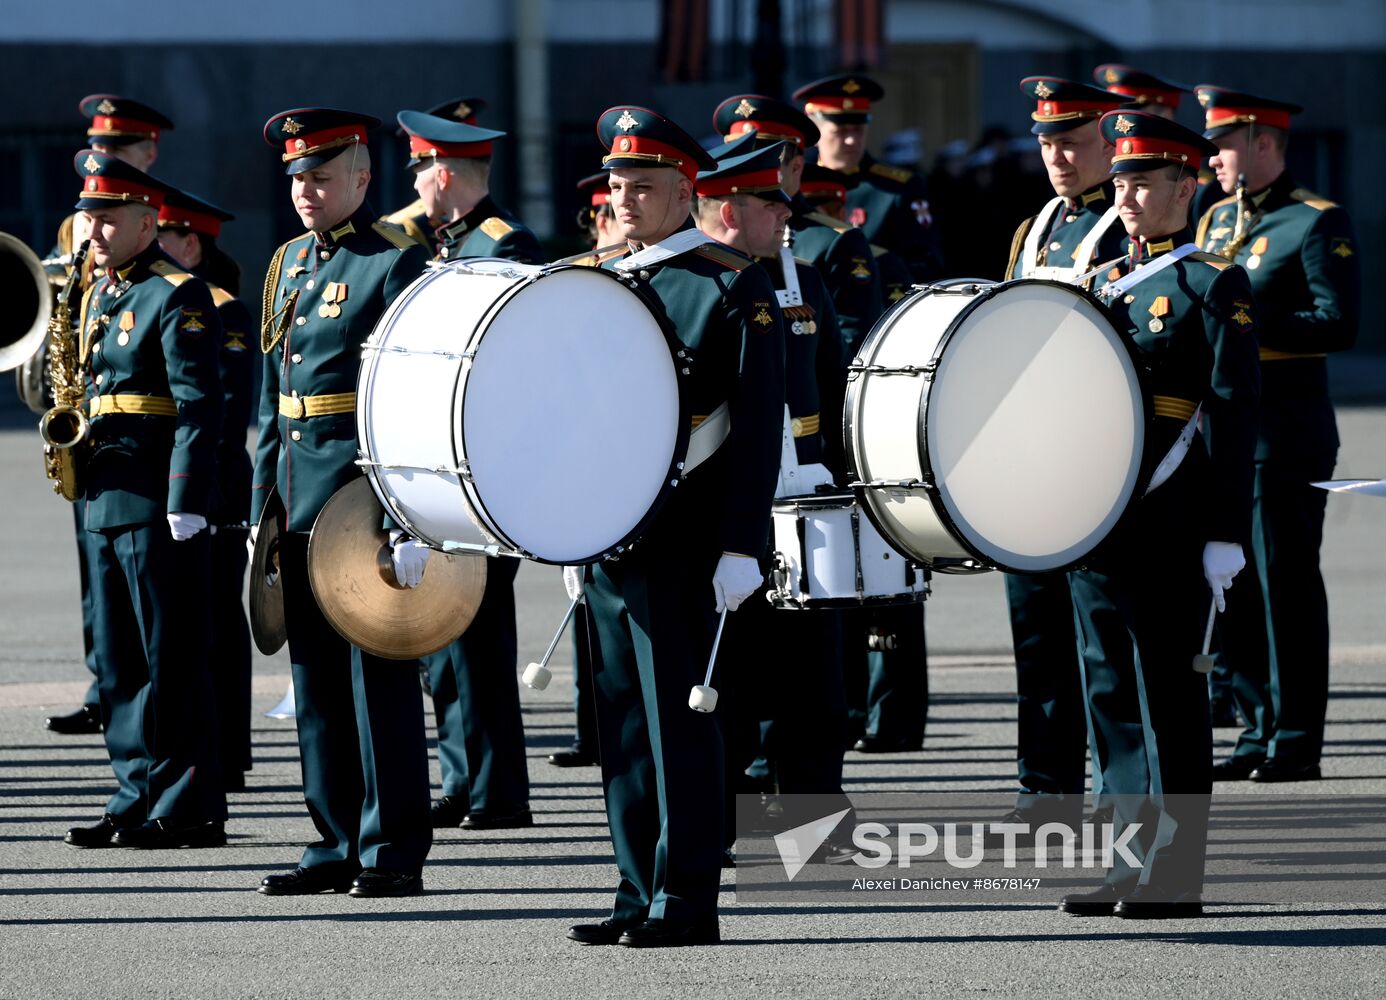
(851,87)
(1043,90)
(106,107)
(627,121)
(300,145)
(745,109)
(91,165)
(1048,108)
(1124,124)
(1112,76)
(92,185)
(291,127)
(1205,98)
(1126,146)
(463,110)
(624,144)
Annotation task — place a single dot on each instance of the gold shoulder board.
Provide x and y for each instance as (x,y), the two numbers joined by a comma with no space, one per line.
(397,238)
(824,219)
(496,227)
(1312,200)
(1211,259)
(728,258)
(891,171)
(220,296)
(169,273)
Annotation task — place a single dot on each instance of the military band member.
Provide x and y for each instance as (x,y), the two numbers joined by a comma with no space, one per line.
(652,611)
(1300,253)
(360,718)
(414,218)
(188,230)
(888,203)
(1142,596)
(1078,230)
(596,217)
(1143,91)
(476,696)
(148,346)
(129,131)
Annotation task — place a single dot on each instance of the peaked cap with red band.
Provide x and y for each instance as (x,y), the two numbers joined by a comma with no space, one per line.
(108,181)
(772,120)
(1138,86)
(639,137)
(432,138)
(312,136)
(1225,110)
(819,184)
(1148,142)
(119,121)
(185,211)
(459,109)
(755,173)
(1063,105)
(845,99)
(598,187)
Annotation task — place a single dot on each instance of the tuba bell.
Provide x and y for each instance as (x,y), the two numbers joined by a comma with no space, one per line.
(30,291)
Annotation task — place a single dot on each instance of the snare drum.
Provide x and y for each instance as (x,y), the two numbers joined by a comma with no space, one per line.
(998,423)
(520,409)
(827,555)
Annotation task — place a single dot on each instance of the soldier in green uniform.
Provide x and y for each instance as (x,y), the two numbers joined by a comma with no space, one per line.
(360,718)
(148,346)
(414,218)
(1142,595)
(888,203)
(652,611)
(188,230)
(1078,230)
(129,131)
(476,697)
(1301,255)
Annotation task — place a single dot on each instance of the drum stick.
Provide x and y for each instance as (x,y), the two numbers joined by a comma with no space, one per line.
(1203,663)
(1083,279)
(703,697)
(538,675)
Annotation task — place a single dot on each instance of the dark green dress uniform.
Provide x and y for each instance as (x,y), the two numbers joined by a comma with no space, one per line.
(1051,723)
(476,696)
(652,617)
(843,257)
(1141,596)
(413,218)
(1302,258)
(149,344)
(360,718)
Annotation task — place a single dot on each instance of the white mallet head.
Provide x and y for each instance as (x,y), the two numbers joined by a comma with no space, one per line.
(537,676)
(1203,663)
(702,698)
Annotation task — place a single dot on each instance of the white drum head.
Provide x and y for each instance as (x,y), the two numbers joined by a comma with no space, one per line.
(1035,426)
(568,417)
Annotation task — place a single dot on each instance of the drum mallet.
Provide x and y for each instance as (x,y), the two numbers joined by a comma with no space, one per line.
(1203,663)
(538,675)
(703,697)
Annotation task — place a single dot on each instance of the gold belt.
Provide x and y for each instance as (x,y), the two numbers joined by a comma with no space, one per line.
(1173,406)
(129,402)
(804,426)
(1271,354)
(301,407)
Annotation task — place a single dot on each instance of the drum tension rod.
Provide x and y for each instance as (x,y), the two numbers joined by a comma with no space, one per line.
(926,370)
(887,484)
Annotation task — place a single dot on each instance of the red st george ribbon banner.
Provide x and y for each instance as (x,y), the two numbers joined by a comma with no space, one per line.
(861,33)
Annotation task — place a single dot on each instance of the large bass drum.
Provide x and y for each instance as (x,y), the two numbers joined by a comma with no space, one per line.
(523,410)
(1003,424)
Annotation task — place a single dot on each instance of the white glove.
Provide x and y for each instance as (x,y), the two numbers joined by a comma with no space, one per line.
(572,581)
(736,578)
(184,526)
(250,542)
(409,557)
(1221,562)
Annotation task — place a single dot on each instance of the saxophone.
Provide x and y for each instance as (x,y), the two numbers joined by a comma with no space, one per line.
(64,427)
(1247,217)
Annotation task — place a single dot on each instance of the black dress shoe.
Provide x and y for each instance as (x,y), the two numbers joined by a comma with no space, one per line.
(449,811)
(93,836)
(1236,768)
(606,932)
(1146,903)
(380,883)
(159,834)
(669,934)
(877,744)
(573,758)
(1274,769)
(305,882)
(82,722)
(835,853)
(488,821)
(1101,902)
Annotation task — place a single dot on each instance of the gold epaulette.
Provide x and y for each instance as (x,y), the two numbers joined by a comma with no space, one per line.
(403,215)
(1312,200)
(898,174)
(174,276)
(725,256)
(1211,259)
(1207,221)
(396,237)
(827,220)
(496,227)
(598,259)
(1018,244)
(220,296)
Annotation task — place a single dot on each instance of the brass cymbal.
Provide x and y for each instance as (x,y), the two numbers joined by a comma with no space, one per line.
(352,578)
(266,586)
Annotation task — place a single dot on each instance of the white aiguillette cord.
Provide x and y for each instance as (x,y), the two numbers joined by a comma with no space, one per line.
(681,242)
(1122,285)
(789,295)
